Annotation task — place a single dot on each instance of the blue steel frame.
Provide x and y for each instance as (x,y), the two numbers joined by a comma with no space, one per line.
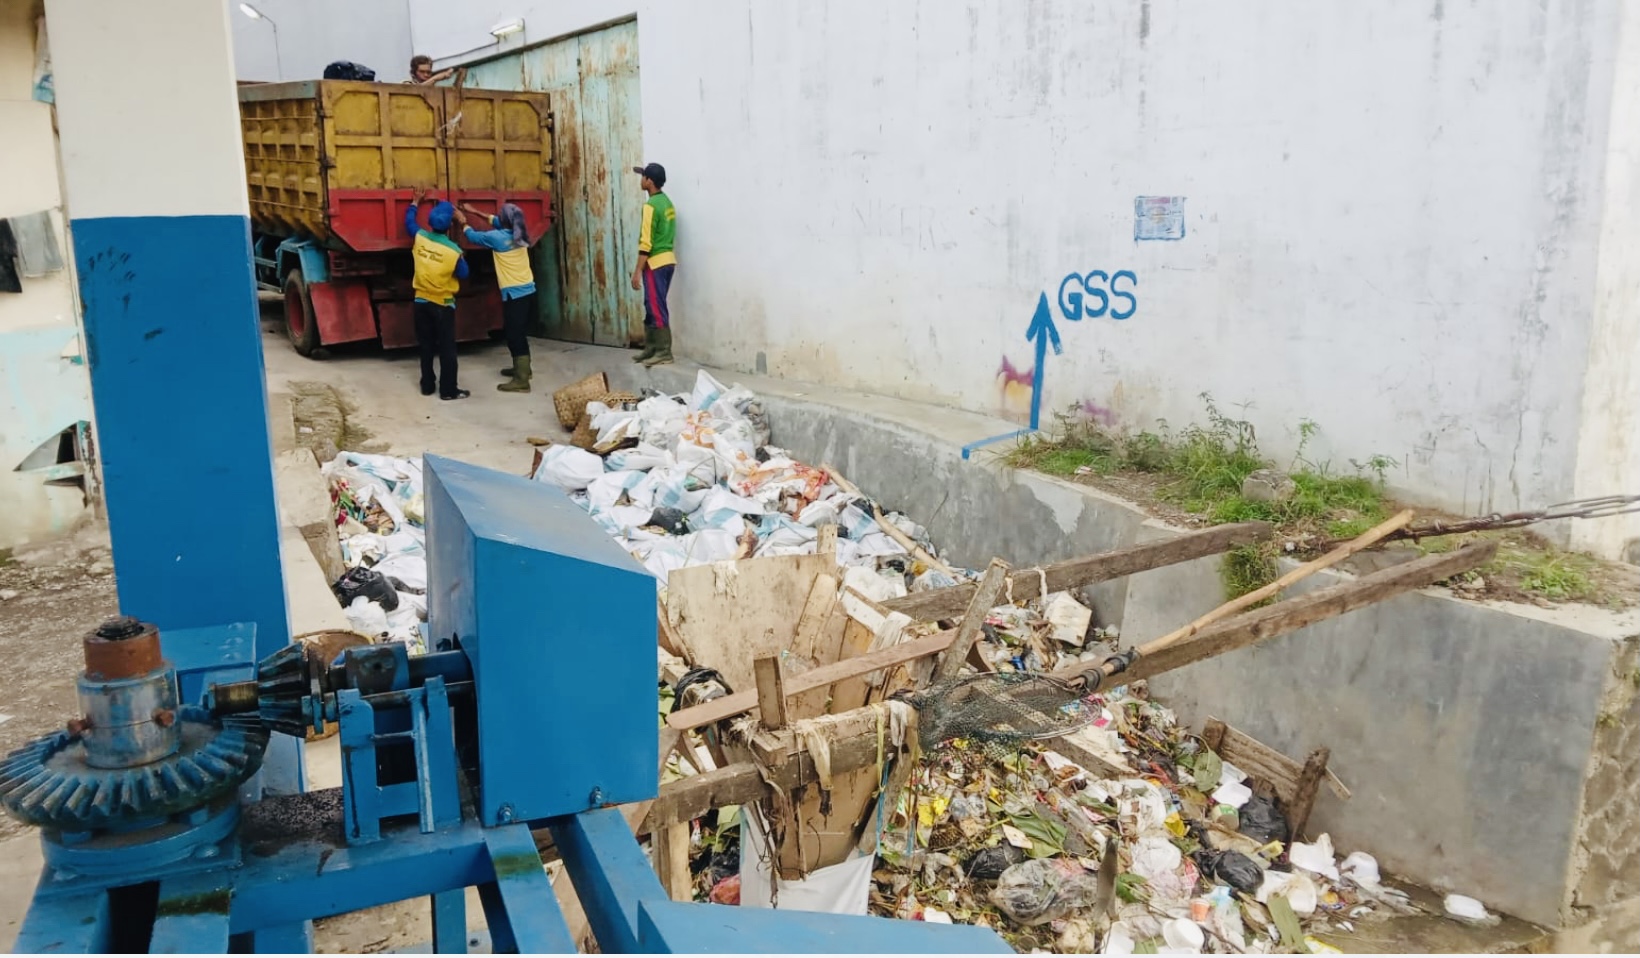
(423,723)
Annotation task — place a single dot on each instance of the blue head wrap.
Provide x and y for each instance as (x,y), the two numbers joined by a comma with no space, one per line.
(512,218)
(441,217)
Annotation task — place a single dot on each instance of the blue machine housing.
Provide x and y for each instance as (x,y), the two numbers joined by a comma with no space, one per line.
(559,623)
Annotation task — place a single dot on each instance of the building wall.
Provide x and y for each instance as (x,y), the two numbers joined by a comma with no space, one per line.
(1393,214)
(313,33)
(43,383)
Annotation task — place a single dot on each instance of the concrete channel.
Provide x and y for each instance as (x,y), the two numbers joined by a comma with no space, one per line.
(1490,749)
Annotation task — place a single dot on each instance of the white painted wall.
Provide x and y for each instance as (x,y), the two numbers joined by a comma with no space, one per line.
(149,180)
(43,383)
(313,33)
(1395,212)
(1609,446)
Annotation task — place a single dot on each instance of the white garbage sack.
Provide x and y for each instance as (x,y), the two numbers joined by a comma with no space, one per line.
(640,458)
(841,889)
(366,617)
(666,553)
(706,391)
(604,491)
(569,468)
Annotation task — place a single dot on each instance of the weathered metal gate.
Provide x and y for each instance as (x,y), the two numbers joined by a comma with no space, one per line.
(592,82)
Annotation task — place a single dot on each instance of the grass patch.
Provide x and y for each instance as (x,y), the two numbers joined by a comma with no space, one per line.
(6,558)
(1202,469)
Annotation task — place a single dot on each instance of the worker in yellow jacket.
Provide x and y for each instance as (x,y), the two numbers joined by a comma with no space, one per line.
(440,267)
(509,237)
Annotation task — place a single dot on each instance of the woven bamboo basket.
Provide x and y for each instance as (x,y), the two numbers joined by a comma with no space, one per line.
(326,644)
(571,401)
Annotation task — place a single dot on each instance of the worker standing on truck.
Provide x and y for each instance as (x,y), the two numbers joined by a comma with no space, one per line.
(439,269)
(656,262)
(421,71)
(510,239)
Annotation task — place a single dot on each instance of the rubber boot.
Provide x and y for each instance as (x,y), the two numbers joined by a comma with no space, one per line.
(520,382)
(648,346)
(663,348)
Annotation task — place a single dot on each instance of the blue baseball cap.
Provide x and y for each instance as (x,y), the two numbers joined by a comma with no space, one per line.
(441,217)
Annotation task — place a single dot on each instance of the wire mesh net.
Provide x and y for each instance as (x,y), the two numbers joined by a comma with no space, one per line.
(1002,708)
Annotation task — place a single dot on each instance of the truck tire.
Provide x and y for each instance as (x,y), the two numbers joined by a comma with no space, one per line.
(300,324)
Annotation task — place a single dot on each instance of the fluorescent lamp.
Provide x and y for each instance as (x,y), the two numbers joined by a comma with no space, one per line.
(506,28)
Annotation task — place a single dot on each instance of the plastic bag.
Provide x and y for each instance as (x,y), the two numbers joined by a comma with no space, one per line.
(368,584)
(706,391)
(669,519)
(641,458)
(1315,858)
(1233,868)
(1262,820)
(366,617)
(569,468)
(1044,890)
(1296,887)
(988,864)
(606,490)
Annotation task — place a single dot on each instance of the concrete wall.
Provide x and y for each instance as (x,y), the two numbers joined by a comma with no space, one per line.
(43,384)
(1394,214)
(313,33)
(1491,748)
(1608,455)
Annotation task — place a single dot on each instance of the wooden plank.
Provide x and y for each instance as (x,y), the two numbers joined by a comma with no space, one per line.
(671,848)
(826,544)
(729,613)
(1261,762)
(1315,768)
(852,692)
(1363,541)
(741,702)
(807,644)
(771,691)
(1290,615)
(986,596)
(890,632)
(936,604)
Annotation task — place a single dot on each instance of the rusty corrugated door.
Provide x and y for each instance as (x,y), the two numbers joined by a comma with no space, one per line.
(592,83)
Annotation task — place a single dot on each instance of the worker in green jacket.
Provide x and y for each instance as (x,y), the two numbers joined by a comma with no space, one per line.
(656,262)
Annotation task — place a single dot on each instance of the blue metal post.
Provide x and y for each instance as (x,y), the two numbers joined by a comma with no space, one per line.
(529,912)
(611,874)
(161,234)
(450,922)
(192,915)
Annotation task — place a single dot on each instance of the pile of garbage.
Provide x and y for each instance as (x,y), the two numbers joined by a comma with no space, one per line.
(1182,856)
(690,480)
(379,522)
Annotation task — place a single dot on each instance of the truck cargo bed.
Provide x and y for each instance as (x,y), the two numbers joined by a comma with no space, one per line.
(337,160)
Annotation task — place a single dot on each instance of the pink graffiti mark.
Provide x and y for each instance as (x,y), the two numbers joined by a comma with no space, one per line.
(1012,376)
(1098,413)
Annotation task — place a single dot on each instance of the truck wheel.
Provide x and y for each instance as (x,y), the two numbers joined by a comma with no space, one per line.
(300,323)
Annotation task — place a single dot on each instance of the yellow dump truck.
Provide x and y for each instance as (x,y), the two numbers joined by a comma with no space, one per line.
(332,166)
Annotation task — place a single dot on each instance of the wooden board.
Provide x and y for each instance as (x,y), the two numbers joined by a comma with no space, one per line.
(936,604)
(1290,615)
(739,703)
(729,613)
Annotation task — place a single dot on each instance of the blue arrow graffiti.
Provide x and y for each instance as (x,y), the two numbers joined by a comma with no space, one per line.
(1043,331)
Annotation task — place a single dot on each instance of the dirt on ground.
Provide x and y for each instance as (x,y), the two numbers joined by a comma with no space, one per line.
(49,598)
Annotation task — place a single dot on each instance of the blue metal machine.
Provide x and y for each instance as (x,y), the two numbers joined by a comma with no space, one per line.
(535,711)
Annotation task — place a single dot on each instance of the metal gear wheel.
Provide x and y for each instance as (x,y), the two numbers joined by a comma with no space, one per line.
(48,783)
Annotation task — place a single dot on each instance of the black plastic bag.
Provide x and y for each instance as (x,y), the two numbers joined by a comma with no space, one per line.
(673,521)
(368,583)
(1231,867)
(988,864)
(348,70)
(1262,820)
